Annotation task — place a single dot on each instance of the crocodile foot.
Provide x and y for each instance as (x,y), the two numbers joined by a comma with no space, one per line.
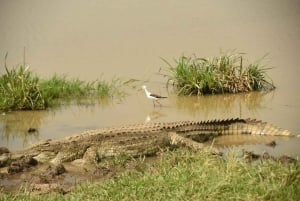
(176,139)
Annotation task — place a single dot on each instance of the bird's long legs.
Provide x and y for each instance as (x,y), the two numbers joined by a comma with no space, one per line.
(156,101)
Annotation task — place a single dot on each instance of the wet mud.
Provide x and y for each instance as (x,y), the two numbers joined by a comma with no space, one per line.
(40,178)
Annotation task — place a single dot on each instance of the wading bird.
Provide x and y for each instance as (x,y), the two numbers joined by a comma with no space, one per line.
(153,97)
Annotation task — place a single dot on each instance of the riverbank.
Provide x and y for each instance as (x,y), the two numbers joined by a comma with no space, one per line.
(182,174)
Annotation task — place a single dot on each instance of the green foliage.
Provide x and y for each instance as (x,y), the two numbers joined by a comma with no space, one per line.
(223,74)
(21,90)
(61,88)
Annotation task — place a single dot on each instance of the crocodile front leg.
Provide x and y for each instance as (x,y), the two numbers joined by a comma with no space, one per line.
(70,153)
(176,139)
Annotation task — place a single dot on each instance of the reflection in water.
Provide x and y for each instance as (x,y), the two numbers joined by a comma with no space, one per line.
(236,140)
(284,146)
(258,144)
(16,125)
(155,114)
(91,103)
(225,104)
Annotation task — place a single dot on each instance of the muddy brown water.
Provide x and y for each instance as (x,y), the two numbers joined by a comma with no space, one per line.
(102,39)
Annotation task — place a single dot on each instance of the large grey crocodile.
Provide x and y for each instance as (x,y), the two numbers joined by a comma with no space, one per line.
(141,139)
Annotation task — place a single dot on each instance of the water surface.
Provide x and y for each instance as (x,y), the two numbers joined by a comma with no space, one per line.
(102,39)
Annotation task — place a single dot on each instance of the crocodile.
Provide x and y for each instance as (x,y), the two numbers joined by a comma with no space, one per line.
(141,139)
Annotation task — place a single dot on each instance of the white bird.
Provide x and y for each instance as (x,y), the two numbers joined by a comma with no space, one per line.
(152,96)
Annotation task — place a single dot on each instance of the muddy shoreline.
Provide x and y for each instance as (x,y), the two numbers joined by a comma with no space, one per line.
(39,178)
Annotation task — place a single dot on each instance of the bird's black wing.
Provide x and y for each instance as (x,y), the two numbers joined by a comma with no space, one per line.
(157,96)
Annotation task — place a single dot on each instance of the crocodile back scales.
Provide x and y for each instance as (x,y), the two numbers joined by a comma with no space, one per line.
(189,128)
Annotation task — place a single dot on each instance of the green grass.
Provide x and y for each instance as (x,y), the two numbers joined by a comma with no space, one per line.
(186,175)
(20,89)
(224,74)
(60,88)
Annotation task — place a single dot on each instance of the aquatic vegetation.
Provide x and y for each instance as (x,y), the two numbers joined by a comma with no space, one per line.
(20,89)
(59,88)
(224,74)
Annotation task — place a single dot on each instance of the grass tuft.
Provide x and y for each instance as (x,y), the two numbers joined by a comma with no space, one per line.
(224,74)
(19,89)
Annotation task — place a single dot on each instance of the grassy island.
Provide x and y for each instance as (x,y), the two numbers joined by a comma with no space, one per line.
(224,74)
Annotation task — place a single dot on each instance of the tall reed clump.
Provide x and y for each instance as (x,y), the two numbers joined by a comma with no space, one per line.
(224,74)
(19,89)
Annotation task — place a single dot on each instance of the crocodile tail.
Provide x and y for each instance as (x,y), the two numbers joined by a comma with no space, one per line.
(256,127)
